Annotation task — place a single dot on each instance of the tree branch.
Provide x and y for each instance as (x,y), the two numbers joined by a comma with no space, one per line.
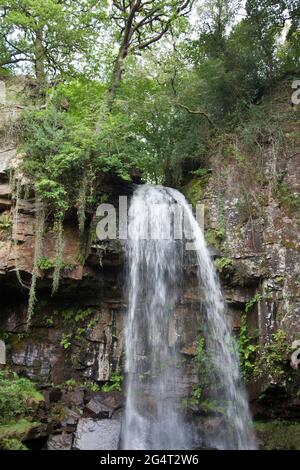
(14,61)
(195,112)
(154,39)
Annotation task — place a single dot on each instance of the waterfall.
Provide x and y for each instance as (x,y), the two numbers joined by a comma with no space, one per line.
(154,415)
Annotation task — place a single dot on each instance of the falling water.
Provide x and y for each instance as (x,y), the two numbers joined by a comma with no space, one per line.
(154,414)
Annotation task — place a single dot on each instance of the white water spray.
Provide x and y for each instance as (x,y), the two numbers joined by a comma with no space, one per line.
(154,415)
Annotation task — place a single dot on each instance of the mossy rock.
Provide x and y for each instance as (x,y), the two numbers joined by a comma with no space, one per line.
(16,342)
(12,444)
(18,398)
(223,265)
(215,237)
(194,189)
(16,431)
(278,435)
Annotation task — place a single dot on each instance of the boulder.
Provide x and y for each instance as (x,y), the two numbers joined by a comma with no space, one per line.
(55,395)
(96,409)
(70,421)
(103,434)
(111,401)
(73,397)
(295,357)
(60,442)
(6,155)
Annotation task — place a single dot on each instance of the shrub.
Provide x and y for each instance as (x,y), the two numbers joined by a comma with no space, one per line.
(223,263)
(115,383)
(246,348)
(278,435)
(273,357)
(45,263)
(5,222)
(18,396)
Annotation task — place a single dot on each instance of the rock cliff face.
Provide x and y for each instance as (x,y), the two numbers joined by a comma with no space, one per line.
(252,210)
(76,337)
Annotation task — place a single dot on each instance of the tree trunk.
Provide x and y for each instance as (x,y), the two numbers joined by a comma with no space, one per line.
(123,53)
(117,75)
(39,60)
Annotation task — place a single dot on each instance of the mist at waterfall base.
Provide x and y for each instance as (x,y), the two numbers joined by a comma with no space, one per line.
(155,411)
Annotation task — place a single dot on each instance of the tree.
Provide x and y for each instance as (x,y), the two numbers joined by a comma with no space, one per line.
(48,36)
(294,16)
(160,132)
(292,47)
(265,21)
(216,18)
(140,24)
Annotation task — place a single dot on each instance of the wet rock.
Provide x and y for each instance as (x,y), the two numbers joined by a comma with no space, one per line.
(70,421)
(73,397)
(55,395)
(60,442)
(37,431)
(295,357)
(292,176)
(5,190)
(212,425)
(85,358)
(108,253)
(214,252)
(71,417)
(6,155)
(4,204)
(96,409)
(2,353)
(35,358)
(112,400)
(13,320)
(189,350)
(102,434)
(108,332)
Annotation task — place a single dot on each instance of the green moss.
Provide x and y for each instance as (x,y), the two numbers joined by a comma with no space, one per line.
(291,245)
(12,444)
(16,341)
(264,360)
(205,374)
(233,151)
(17,430)
(194,190)
(200,172)
(18,397)
(288,199)
(278,435)
(211,406)
(58,412)
(80,259)
(69,385)
(214,237)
